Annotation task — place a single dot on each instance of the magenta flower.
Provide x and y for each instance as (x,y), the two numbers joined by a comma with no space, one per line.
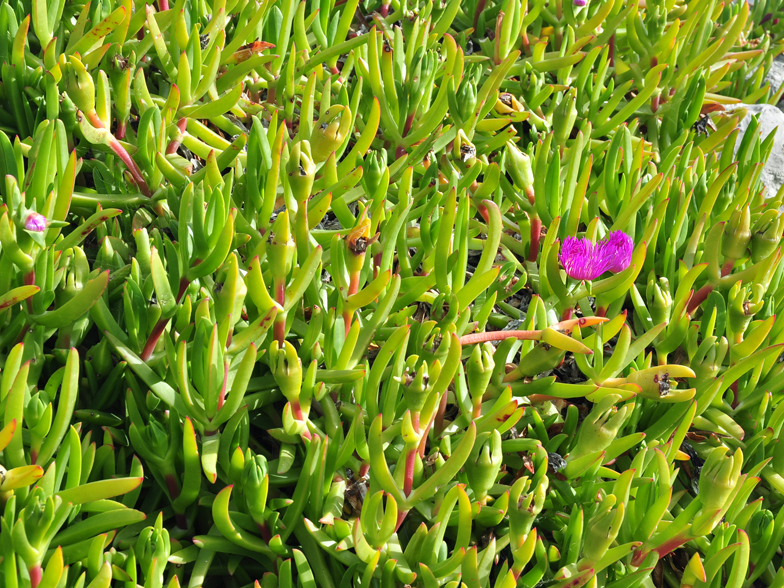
(580,2)
(583,260)
(35,222)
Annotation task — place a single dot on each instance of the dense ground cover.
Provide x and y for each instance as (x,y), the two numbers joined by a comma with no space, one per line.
(345,294)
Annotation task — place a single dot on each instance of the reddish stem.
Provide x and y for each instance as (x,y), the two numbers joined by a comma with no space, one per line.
(439,419)
(483,211)
(265,532)
(174,144)
(173,486)
(400,151)
(735,399)
(122,128)
(184,283)
(347,320)
(222,397)
(152,341)
(401,516)
(699,298)
(182,520)
(160,326)
(408,483)
(423,441)
(353,285)
(499,336)
(377,264)
(526,44)
(727,267)
(499,25)
(480,6)
(36,575)
(409,123)
(536,235)
(384,10)
(612,50)
(364,469)
(120,152)
(662,550)
(296,410)
(163,5)
(567,314)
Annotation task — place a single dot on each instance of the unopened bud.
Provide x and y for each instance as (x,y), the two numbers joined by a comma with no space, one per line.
(518,166)
(602,529)
(301,170)
(484,463)
(719,476)
(35,222)
(737,234)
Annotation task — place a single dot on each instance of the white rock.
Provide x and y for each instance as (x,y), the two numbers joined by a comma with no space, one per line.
(771,118)
(776,75)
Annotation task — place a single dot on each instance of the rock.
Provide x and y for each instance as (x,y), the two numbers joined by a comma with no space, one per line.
(776,75)
(770,117)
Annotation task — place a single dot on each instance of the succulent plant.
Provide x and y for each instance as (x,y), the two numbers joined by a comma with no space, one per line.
(455,294)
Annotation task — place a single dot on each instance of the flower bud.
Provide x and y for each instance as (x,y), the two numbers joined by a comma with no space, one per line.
(80,86)
(415,384)
(602,529)
(659,300)
(286,369)
(719,476)
(302,171)
(445,310)
(744,303)
(35,409)
(524,507)
(35,222)
(484,463)
(479,371)
(329,132)
(100,357)
(373,170)
(564,117)
(38,515)
(255,487)
(466,99)
(760,529)
(281,248)
(709,358)
(518,165)
(765,238)
(601,426)
(157,438)
(121,69)
(737,234)
(152,551)
(580,3)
